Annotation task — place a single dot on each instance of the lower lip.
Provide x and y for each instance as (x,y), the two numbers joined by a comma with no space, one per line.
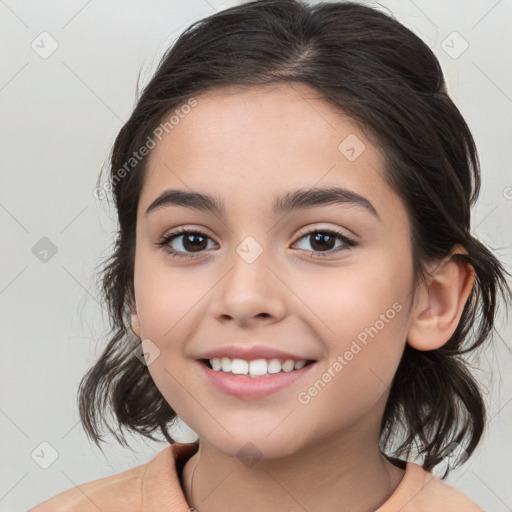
(243,386)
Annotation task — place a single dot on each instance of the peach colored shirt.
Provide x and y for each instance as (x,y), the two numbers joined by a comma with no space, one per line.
(155,487)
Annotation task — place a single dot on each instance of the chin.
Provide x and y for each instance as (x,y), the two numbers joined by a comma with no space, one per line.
(251,447)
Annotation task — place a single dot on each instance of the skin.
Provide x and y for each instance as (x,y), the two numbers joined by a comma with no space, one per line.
(248,146)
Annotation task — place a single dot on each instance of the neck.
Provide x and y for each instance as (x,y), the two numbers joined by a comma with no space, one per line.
(342,471)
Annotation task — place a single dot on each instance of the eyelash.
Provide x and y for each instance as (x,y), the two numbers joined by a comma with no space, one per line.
(167,239)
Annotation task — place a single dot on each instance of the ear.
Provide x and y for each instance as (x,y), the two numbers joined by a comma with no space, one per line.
(135,324)
(440,302)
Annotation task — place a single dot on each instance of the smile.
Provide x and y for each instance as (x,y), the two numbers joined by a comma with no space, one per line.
(253,379)
(255,367)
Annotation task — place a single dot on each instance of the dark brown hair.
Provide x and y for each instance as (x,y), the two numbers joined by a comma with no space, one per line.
(386,79)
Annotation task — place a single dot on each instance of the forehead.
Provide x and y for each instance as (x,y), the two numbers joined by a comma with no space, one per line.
(250,144)
(281,119)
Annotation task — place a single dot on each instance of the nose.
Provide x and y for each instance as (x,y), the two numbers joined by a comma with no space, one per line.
(250,291)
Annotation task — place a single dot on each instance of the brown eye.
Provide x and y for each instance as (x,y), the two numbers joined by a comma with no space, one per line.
(324,240)
(188,241)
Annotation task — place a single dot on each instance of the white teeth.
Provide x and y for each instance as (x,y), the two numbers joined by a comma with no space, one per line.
(239,366)
(274,366)
(288,365)
(226,364)
(255,367)
(258,367)
(216,364)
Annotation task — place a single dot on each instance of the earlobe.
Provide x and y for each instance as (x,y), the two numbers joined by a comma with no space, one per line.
(135,325)
(441,303)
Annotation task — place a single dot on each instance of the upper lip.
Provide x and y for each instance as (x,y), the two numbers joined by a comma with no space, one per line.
(250,353)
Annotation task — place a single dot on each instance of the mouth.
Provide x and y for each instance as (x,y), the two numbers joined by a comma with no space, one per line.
(244,385)
(256,368)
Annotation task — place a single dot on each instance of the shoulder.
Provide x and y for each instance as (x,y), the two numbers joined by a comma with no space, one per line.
(149,484)
(421,491)
(445,495)
(120,490)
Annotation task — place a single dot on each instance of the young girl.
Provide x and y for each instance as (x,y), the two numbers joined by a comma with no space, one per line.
(295,275)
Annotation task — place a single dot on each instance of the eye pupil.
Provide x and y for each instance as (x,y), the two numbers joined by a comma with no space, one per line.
(326,237)
(192,238)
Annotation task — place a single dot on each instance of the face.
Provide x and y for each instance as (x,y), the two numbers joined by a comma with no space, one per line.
(328,282)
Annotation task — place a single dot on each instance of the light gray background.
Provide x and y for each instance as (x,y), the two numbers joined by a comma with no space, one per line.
(59,119)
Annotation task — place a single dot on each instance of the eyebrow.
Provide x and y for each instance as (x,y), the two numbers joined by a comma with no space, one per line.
(291,201)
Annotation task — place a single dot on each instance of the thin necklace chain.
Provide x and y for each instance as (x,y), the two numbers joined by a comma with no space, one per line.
(192,509)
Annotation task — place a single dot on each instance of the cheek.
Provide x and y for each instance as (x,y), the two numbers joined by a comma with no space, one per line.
(362,361)
(366,315)
(165,305)
(356,298)
(165,297)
